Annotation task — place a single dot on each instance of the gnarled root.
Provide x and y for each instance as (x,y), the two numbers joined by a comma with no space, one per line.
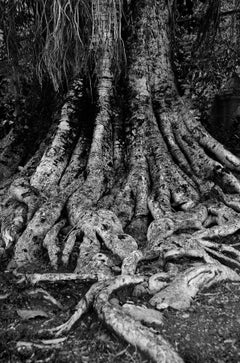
(99,229)
(35,278)
(179,293)
(81,308)
(130,329)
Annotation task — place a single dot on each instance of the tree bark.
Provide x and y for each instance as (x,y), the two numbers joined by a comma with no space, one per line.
(151,183)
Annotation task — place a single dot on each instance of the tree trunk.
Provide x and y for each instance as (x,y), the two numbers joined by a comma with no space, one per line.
(143,181)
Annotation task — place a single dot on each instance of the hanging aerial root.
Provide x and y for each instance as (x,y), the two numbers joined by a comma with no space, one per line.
(179,293)
(128,328)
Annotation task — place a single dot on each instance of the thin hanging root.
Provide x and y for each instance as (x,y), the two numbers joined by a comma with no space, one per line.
(128,328)
(81,308)
(179,293)
(34,279)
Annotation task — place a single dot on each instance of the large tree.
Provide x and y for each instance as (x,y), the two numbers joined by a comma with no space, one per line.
(127,165)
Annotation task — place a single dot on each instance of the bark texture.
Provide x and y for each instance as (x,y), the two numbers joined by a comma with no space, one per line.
(144,181)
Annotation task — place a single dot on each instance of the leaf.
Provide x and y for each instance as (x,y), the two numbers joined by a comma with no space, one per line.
(53,341)
(31,314)
(4,296)
(144,314)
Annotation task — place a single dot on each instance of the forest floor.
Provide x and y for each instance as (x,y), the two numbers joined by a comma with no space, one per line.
(209,331)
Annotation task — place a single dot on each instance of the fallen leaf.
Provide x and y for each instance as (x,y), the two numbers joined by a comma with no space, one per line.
(31,314)
(5,296)
(143,314)
(46,296)
(53,341)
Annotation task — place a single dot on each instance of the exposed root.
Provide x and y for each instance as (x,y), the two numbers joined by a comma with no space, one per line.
(153,191)
(46,296)
(30,242)
(219,231)
(51,241)
(130,262)
(36,278)
(13,221)
(208,142)
(23,192)
(69,245)
(158,281)
(131,330)
(81,308)
(55,158)
(78,162)
(99,229)
(179,293)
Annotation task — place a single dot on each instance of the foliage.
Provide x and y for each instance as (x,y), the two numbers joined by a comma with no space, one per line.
(206,50)
(49,40)
(57,39)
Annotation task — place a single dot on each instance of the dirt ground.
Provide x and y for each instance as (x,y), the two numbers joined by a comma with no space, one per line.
(209,331)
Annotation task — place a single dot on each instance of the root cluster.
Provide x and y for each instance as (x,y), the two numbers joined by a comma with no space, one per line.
(150,186)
